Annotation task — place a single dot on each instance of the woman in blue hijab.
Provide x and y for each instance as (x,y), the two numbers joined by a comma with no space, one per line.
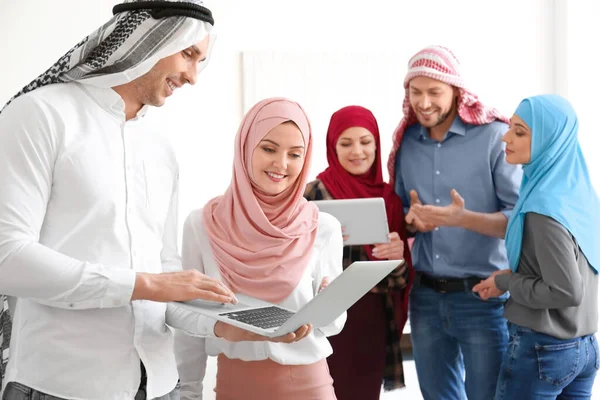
(553,246)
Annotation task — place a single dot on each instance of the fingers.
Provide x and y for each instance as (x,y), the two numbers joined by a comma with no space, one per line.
(457,198)
(391,251)
(429,216)
(484,286)
(211,296)
(324,283)
(414,198)
(291,337)
(213,288)
(421,226)
(344,237)
(409,218)
(303,332)
(394,236)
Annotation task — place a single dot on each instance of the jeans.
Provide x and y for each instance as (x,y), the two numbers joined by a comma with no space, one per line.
(541,367)
(17,391)
(458,343)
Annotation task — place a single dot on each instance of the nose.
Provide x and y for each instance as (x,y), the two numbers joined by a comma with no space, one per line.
(356,149)
(191,74)
(280,162)
(505,136)
(424,103)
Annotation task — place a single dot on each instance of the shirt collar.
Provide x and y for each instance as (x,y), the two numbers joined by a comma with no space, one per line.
(458,127)
(110,100)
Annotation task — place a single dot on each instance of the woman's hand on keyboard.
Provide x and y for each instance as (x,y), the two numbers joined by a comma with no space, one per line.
(234,334)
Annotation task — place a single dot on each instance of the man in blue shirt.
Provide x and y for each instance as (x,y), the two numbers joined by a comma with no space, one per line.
(448,166)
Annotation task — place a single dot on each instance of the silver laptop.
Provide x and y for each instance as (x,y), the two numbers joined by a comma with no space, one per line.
(270,320)
(364,220)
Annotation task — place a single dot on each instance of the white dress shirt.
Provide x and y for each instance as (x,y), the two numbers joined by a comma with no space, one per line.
(192,351)
(88,199)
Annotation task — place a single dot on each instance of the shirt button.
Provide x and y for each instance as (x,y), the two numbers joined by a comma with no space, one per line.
(437,256)
(437,172)
(439,145)
(436,228)
(437,200)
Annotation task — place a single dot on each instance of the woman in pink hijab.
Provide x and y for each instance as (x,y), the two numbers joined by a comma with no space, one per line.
(263,239)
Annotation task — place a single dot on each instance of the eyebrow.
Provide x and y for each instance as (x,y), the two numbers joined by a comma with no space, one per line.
(431,89)
(362,137)
(277,144)
(198,51)
(520,125)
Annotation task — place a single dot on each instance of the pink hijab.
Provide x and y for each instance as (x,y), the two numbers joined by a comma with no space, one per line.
(262,243)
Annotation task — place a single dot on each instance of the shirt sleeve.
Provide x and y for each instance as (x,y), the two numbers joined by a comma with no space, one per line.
(329,265)
(193,327)
(29,141)
(191,359)
(547,243)
(507,177)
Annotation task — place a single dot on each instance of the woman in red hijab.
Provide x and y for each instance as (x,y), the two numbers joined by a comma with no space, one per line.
(370,340)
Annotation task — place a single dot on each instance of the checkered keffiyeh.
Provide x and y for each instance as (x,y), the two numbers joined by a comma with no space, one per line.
(439,63)
(125,43)
(121,50)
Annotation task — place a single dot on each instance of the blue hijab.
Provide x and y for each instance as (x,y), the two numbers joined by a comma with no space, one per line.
(556,182)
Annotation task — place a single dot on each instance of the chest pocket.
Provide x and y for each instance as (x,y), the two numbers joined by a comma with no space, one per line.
(159,184)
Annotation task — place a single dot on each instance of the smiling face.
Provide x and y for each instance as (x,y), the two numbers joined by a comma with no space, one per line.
(278,159)
(518,141)
(433,101)
(356,149)
(166,76)
(170,73)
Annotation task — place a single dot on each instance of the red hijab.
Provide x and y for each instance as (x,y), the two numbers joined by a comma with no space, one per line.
(343,185)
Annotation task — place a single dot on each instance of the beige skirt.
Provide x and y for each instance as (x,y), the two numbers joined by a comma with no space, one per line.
(268,380)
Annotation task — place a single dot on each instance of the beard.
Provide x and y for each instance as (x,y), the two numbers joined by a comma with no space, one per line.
(150,88)
(441,119)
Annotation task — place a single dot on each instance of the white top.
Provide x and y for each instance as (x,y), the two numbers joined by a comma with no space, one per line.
(87,200)
(326,261)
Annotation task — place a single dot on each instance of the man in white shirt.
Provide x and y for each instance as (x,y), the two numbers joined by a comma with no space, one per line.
(88,212)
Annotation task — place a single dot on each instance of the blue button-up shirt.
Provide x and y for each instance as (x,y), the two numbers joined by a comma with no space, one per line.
(470,159)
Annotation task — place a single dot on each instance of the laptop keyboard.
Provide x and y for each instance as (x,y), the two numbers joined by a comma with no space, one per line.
(265,317)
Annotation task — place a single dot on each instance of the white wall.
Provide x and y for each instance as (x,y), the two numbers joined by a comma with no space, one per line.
(505,48)
(509,50)
(582,84)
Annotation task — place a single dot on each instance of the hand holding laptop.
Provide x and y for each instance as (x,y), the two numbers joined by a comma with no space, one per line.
(234,334)
(270,320)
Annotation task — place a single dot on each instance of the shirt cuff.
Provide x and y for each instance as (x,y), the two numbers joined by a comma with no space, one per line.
(502,281)
(120,287)
(507,213)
